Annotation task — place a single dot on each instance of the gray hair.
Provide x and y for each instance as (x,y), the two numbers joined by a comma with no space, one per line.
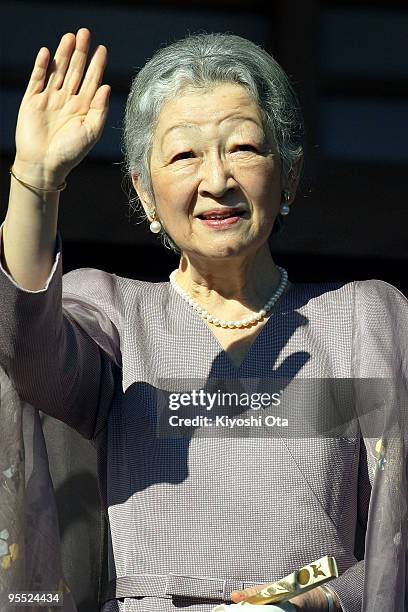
(201,61)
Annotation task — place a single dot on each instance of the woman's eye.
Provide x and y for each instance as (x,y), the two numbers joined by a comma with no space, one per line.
(246,147)
(183,155)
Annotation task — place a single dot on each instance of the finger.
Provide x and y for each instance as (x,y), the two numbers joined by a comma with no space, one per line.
(237,596)
(60,62)
(98,112)
(94,74)
(77,64)
(37,78)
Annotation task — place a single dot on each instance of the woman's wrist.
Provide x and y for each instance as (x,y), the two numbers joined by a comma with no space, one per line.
(329,598)
(333,604)
(315,600)
(38,175)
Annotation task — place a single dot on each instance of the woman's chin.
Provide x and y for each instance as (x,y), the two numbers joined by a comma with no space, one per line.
(223,249)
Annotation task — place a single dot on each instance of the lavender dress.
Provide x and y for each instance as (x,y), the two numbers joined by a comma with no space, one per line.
(192,518)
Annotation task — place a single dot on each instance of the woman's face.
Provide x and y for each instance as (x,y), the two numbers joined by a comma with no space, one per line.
(210,153)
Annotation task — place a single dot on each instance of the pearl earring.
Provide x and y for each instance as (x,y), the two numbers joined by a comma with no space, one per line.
(155,225)
(285,206)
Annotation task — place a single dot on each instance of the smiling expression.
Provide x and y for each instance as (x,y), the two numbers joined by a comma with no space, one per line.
(211,153)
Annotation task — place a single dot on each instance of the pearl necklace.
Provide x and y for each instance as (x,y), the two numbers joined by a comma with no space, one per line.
(254,318)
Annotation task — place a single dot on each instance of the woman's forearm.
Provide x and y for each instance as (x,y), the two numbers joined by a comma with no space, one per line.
(58,123)
(30,227)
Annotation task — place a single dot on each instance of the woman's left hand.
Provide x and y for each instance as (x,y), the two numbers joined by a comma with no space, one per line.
(311,601)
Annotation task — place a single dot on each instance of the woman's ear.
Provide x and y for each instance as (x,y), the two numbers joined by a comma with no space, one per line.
(142,195)
(292,181)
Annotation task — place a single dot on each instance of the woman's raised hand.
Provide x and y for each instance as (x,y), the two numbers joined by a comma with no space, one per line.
(63,112)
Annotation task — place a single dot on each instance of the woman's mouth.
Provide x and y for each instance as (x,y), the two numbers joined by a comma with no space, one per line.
(220,220)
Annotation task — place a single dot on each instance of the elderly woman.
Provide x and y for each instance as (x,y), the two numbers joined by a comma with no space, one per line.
(213,146)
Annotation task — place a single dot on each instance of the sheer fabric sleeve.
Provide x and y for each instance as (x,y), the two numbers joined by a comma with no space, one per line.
(61,345)
(30,546)
(380,355)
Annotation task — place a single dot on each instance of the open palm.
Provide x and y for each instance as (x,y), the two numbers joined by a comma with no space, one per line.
(60,119)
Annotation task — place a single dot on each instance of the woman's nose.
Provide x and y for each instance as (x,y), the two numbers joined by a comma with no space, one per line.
(216,176)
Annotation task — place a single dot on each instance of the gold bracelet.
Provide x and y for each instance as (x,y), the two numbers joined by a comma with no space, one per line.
(60,188)
(329,597)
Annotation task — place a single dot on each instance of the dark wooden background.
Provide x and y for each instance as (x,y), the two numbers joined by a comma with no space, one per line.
(348,63)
